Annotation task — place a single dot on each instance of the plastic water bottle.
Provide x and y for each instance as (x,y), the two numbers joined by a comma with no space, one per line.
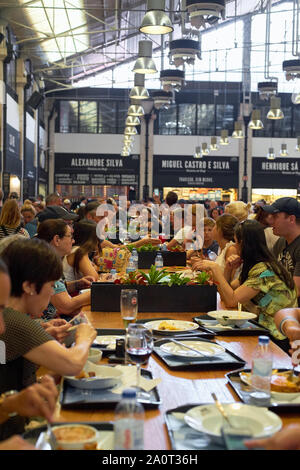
(261,373)
(129,423)
(130,265)
(135,258)
(159,262)
(113,273)
(212,255)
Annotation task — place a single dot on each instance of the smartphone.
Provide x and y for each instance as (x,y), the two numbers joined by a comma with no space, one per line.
(234,438)
(156,192)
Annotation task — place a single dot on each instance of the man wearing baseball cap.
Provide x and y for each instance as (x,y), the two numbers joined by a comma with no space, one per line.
(285,220)
(57,212)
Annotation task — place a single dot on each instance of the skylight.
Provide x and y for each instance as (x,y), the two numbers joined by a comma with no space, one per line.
(62,24)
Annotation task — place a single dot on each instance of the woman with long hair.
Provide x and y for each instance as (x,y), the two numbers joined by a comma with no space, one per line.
(10,220)
(264,285)
(78,264)
(223,234)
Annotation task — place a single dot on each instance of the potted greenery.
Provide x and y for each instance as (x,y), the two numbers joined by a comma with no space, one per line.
(158,291)
(147,254)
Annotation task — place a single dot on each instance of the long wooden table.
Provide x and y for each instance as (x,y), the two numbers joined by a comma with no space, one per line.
(178,387)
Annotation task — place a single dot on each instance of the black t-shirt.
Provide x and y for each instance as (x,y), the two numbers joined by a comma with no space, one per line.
(289,256)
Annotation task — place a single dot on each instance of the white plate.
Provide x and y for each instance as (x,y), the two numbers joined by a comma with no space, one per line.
(105,440)
(231,317)
(180,325)
(207,419)
(106,377)
(208,349)
(109,341)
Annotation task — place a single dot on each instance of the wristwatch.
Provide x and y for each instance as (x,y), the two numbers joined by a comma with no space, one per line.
(3,397)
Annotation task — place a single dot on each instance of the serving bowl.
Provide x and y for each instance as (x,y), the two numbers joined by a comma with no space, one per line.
(231,317)
(76,437)
(105,377)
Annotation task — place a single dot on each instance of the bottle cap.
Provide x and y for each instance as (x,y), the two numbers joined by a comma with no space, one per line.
(129,393)
(263,339)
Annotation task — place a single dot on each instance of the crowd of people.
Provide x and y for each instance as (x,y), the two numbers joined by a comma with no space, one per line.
(49,252)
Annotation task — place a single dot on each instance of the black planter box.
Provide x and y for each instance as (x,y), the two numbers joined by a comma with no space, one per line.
(105,297)
(170,258)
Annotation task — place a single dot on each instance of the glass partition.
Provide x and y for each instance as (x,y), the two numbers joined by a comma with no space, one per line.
(88,117)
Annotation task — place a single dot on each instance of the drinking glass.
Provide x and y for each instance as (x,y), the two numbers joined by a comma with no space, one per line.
(139,346)
(129,306)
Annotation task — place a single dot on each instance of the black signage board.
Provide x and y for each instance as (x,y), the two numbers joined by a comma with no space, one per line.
(282,173)
(29,168)
(96,169)
(206,172)
(6,184)
(12,163)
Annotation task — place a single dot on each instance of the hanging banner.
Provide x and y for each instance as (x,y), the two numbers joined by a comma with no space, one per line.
(282,173)
(96,169)
(12,163)
(207,172)
(29,170)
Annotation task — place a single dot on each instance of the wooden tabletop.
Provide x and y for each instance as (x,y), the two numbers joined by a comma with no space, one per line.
(179,387)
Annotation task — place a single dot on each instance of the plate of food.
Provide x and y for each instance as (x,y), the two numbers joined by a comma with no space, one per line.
(231,317)
(109,342)
(171,326)
(205,348)
(208,419)
(284,386)
(94,376)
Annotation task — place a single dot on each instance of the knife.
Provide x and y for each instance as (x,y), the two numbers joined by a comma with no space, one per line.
(188,347)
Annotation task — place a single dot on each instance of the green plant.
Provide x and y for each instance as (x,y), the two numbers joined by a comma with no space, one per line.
(176,279)
(154,276)
(203,278)
(147,247)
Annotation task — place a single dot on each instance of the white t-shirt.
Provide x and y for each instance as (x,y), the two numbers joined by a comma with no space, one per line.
(183,233)
(68,270)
